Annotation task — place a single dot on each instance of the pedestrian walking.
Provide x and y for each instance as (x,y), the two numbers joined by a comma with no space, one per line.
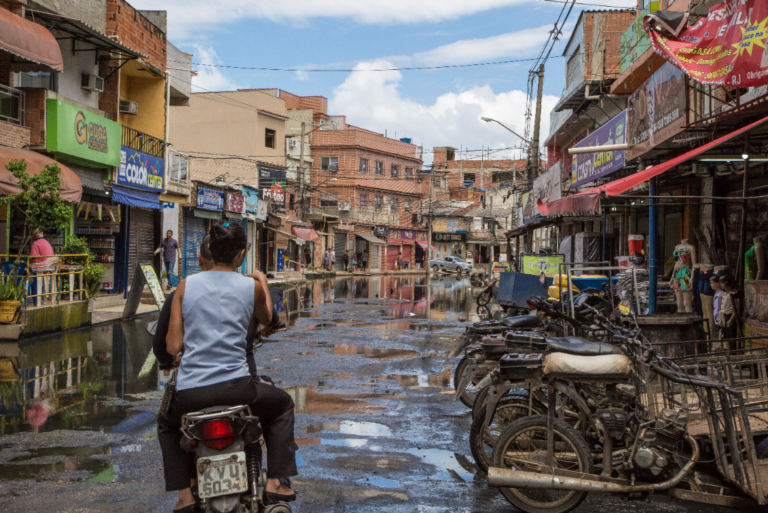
(365,259)
(169,246)
(326,259)
(307,255)
(354,262)
(346,261)
(333,260)
(399,260)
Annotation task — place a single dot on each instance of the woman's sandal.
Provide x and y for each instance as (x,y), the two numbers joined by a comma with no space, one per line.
(192,508)
(276,498)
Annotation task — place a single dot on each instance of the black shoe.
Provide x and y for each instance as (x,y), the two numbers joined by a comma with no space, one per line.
(276,498)
(192,508)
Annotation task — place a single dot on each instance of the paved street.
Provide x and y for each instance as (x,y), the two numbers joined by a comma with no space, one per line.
(365,360)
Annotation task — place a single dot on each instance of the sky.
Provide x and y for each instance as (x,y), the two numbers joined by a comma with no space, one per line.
(439,107)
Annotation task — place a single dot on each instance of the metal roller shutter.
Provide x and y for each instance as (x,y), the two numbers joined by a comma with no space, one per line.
(407,250)
(392,257)
(194,231)
(375,261)
(141,243)
(340,247)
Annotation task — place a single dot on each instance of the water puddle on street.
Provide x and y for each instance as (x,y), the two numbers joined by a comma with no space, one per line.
(380,482)
(372,352)
(349,427)
(309,401)
(450,466)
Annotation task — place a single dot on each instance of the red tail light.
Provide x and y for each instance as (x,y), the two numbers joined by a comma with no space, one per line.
(218,434)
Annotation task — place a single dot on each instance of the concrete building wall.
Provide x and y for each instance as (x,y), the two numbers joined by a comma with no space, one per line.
(181,79)
(76,63)
(148,91)
(93,12)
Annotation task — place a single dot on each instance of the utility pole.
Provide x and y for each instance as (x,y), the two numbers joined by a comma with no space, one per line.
(534,153)
(301,174)
(493,239)
(429,241)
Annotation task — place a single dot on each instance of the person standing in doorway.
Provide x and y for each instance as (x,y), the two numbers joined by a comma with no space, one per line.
(346,261)
(326,259)
(365,259)
(307,255)
(169,246)
(333,260)
(354,262)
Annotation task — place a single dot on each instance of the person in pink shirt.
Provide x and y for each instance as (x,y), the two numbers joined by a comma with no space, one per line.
(40,247)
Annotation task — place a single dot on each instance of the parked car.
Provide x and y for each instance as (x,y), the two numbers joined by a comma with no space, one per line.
(450,264)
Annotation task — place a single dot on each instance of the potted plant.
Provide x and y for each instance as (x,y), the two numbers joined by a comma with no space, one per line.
(11,295)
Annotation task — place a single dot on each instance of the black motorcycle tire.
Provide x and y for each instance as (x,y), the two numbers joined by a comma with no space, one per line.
(508,410)
(484,298)
(762,450)
(466,398)
(565,433)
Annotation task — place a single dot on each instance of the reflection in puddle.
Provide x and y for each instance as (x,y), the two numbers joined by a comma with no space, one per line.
(343,442)
(55,460)
(446,462)
(380,482)
(370,352)
(308,401)
(349,427)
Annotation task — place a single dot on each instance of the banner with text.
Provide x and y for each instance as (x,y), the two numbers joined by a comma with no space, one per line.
(727,47)
(140,171)
(588,167)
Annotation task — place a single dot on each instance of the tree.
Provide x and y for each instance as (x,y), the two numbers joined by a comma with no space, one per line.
(39,199)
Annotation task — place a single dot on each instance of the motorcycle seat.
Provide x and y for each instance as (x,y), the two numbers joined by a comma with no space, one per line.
(522,321)
(580,347)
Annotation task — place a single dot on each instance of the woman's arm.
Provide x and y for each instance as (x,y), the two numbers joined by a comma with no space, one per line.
(262,302)
(175,339)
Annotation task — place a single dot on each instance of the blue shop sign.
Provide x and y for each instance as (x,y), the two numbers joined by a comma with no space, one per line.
(251,199)
(588,167)
(141,171)
(208,199)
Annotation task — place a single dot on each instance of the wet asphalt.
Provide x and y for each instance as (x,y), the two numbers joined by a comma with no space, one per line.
(365,360)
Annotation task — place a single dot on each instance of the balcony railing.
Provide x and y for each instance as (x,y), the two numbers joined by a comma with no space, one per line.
(178,168)
(12,105)
(142,142)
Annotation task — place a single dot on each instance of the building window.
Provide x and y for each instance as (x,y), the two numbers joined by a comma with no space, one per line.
(329,164)
(407,205)
(395,171)
(379,203)
(363,201)
(363,165)
(393,205)
(269,138)
(469,179)
(379,168)
(329,200)
(409,173)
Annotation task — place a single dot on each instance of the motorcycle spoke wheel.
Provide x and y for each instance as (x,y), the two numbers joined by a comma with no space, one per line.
(482,437)
(483,299)
(523,446)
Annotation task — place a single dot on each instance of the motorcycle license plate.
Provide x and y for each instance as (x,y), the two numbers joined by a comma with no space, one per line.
(222,474)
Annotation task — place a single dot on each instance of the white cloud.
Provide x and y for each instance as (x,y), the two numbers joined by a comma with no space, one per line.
(208,78)
(374,101)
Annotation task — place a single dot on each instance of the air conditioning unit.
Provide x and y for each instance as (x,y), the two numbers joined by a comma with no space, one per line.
(129,107)
(417,218)
(91,83)
(292,143)
(344,207)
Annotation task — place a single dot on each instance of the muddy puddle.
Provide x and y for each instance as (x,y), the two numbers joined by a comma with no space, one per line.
(309,401)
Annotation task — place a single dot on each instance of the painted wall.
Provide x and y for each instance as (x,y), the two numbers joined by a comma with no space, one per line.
(76,63)
(93,12)
(148,91)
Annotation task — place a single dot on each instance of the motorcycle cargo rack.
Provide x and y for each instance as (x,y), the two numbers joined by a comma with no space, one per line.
(518,366)
(525,342)
(493,347)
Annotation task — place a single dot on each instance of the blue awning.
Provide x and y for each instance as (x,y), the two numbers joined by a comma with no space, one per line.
(135,198)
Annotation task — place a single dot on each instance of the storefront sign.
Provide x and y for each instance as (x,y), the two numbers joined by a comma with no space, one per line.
(81,134)
(140,171)
(530,212)
(538,265)
(261,211)
(634,41)
(208,199)
(382,232)
(547,186)
(236,203)
(272,186)
(591,166)
(656,111)
(726,48)
(408,236)
(251,199)
(446,237)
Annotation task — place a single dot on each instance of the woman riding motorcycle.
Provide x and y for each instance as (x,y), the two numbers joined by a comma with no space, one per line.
(210,315)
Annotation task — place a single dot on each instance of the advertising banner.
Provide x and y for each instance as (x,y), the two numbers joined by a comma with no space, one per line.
(726,48)
(81,134)
(547,187)
(449,237)
(236,203)
(634,41)
(141,171)
(656,111)
(588,167)
(208,199)
(538,265)
(272,186)
(251,199)
(530,212)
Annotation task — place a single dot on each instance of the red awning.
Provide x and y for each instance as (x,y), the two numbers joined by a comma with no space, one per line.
(423,245)
(305,233)
(71,188)
(588,202)
(29,41)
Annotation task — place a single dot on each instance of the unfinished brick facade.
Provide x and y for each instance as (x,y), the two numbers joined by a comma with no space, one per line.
(14,136)
(134,30)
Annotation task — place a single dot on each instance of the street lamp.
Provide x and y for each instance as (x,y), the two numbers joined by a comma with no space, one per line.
(488,120)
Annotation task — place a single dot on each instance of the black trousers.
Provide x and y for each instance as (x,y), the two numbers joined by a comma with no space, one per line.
(273,406)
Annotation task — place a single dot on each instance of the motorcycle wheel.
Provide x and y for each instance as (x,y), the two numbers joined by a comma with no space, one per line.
(467,398)
(482,437)
(484,298)
(435,269)
(524,441)
(278,508)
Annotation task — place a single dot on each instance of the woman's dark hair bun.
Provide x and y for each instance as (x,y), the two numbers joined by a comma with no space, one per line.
(227,240)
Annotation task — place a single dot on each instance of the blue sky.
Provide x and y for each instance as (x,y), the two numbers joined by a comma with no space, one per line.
(435,108)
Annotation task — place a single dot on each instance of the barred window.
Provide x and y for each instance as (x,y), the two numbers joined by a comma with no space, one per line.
(329,200)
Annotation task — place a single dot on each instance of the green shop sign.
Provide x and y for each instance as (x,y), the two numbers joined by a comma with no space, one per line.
(81,136)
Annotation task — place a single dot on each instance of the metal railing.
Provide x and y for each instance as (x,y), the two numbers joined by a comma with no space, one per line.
(145,143)
(12,105)
(49,274)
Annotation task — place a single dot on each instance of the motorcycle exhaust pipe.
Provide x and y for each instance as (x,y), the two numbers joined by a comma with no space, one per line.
(506,478)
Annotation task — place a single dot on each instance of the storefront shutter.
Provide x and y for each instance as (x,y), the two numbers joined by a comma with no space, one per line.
(194,231)
(141,242)
(392,257)
(340,246)
(375,263)
(407,249)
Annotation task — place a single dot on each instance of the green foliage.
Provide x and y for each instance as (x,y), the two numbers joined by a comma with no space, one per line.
(11,393)
(76,246)
(39,199)
(11,286)
(93,274)
(92,380)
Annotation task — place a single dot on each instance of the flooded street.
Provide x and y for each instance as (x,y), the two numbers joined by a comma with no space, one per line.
(364,359)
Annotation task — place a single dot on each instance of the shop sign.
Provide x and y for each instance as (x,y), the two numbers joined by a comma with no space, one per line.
(382,232)
(530,212)
(656,111)
(407,235)
(446,237)
(261,211)
(236,203)
(272,186)
(208,199)
(725,48)
(588,167)
(141,171)
(81,134)
(538,265)
(547,186)
(634,41)
(251,199)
